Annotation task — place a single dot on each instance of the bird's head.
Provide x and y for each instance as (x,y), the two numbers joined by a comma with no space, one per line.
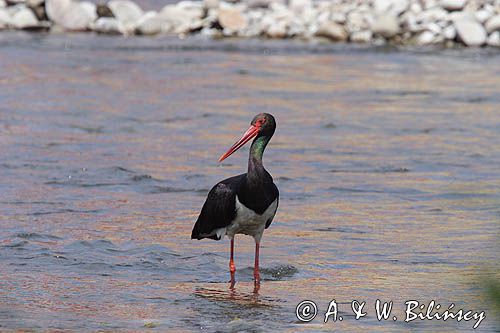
(262,124)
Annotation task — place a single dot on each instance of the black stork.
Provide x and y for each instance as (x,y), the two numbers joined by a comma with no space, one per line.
(243,204)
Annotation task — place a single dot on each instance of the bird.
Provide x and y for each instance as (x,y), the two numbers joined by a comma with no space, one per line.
(244,204)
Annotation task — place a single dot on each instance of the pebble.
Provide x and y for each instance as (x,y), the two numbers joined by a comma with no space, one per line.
(449,32)
(494,39)
(493,24)
(107,25)
(471,22)
(426,37)
(4,19)
(364,36)
(126,12)
(470,32)
(332,31)
(232,18)
(386,25)
(149,24)
(24,18)
(452,4)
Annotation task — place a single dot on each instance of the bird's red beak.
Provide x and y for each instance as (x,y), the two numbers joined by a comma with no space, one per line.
(251,132)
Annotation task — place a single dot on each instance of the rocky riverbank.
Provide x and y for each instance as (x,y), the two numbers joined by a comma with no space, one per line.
(420,22)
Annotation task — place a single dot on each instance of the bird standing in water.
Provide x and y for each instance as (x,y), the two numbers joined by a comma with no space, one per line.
(243,204)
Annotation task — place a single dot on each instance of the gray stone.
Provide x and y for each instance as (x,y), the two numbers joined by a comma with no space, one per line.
(333,31)
(452,4)
(386,26)
(494,39)
(470,32)
(104,11)
(493,24)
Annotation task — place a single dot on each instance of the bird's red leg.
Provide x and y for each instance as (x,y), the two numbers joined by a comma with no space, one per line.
(256,273)
(232,268)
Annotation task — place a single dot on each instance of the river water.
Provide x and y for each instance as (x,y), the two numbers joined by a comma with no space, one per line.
(386,160)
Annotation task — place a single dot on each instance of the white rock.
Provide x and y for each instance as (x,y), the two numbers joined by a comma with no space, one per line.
(4,19)
(71,15)
(449,32)
(452,4)
(432,15)
(31,3)
(181,17)
(386,25)
(149,24)
(494,39)
(493,24)
(56,9)
(107,25)
(78,16)
(126,11)
(429,3)
(24,18)
(357,21)
(3,4)
(332,31)
(277,30)
(90,8)
(434,28)
(394,7)
(463,15)
(470,32)
(299,6)
(232,18)
(364,36)
(338,17)
(296,28)
(211,4)
(425,38)
(483,15)
(415,7)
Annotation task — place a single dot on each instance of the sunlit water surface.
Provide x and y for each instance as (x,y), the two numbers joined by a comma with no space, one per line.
(387,162)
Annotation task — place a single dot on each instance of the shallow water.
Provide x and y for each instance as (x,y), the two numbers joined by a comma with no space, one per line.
(386,160)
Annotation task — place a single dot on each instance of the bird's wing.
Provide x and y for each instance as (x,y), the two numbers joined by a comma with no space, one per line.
(268,223)
(219,209)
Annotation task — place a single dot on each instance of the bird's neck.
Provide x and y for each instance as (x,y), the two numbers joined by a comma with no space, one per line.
(256,171)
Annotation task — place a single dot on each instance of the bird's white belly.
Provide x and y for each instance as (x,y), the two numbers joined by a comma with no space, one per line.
(250,223)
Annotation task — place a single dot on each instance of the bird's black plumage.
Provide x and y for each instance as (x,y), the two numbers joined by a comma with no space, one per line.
(219,209)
